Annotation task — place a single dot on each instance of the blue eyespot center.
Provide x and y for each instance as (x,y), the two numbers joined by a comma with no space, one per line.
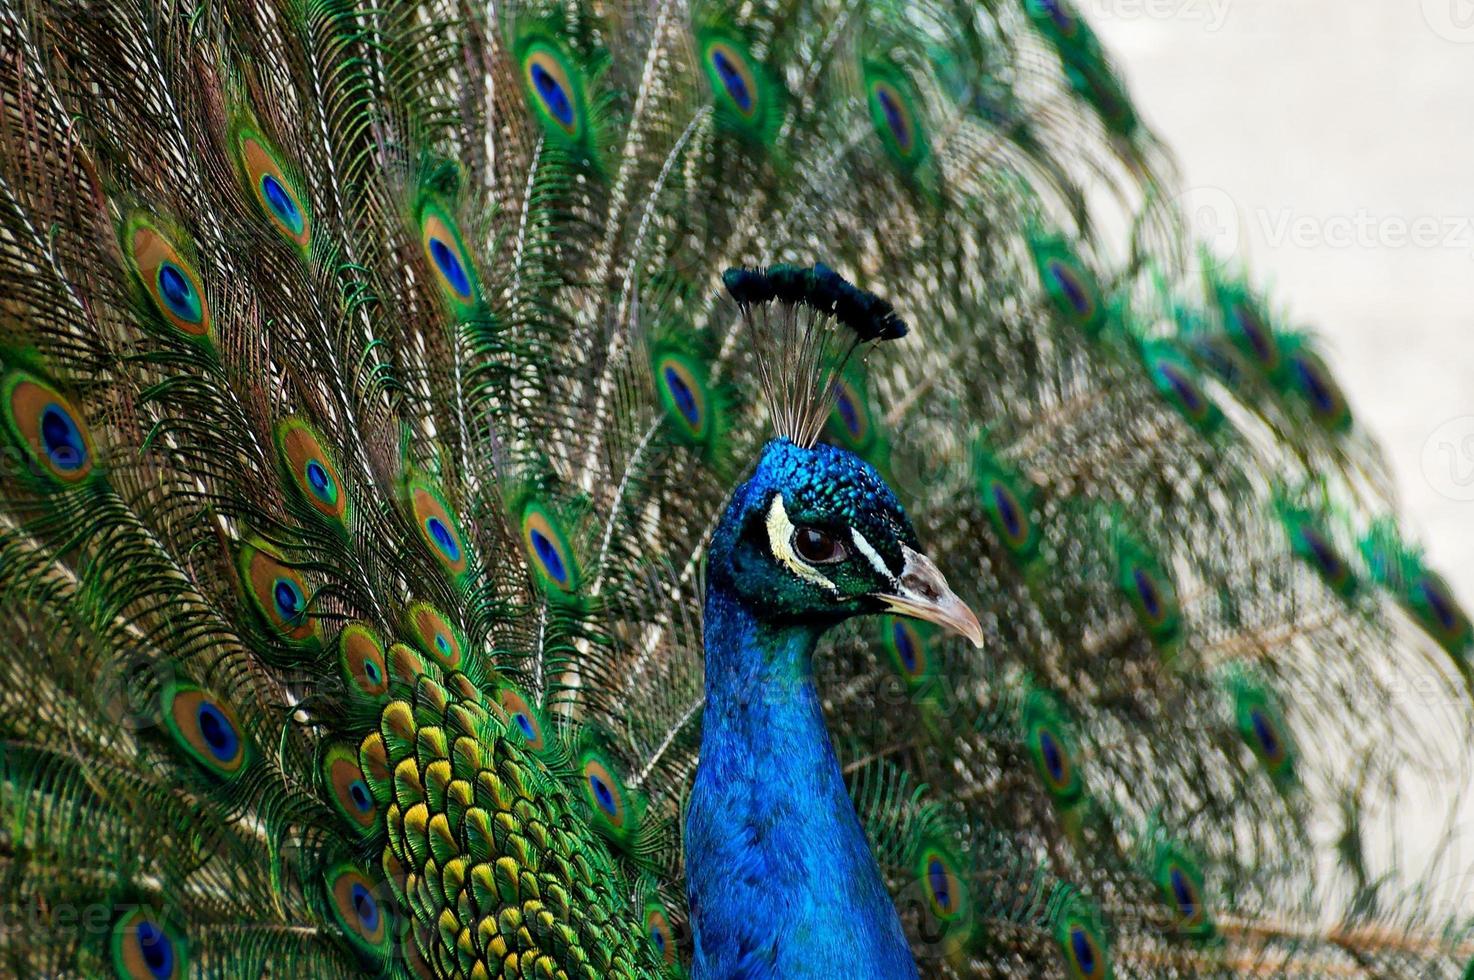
(1069,284)
(682,395)
(61,439)
(525,723)
(657,936)
(905,646)
(1054,758)
(603,795)
(547,553)
(177,291)
(450,267)
(1264,733)
(1184,892)
(1183,386)
(1322,397)
(1322,553)
(371,671)
(1058,14)
(365,907)
(895,118)
(1146,590)
(281,202)
(848,413)
(1083,949)
(1254,332)
(156,949)
(1008,512)
(217,731)
(732,80)
(288,598)
(318,479)
(1443,610)
(444,540)
(359,794)
(551,92)
(940,884)
(441,643)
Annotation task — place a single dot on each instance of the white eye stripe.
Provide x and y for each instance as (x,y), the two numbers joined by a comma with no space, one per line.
(780,540)
(871,555)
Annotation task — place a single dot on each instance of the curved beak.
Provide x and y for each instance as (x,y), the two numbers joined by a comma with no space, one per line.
(922,593)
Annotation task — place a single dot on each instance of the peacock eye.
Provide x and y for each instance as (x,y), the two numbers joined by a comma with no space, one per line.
(818,547)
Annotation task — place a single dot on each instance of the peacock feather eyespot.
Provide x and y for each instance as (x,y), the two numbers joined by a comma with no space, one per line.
(1082,942)
(850,424)
(439,528)
(1050,745)
(1249,332)
(748,100)
(681,385)
(525,720)
(906,644)
(450,260)
(311,471)
(206,728)
(1070,288)
(348,789)
(50,433)
(732,79)
(662,937)
(1313,380)
(173,286)
(614,809)
(435,635)
(942,885)
(1317,550)
(1439,612)
(548,552)
(145,946)
(1174,376)
(1010,517)
(895,114)
(556,89)
(1151,595)
(276,193)
(1181,886)
(362,661)
(278,593)
(359,911)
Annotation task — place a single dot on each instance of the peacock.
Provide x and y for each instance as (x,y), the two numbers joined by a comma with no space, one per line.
(676,488)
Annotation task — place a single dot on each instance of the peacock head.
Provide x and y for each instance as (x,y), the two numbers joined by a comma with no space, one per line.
(815,537)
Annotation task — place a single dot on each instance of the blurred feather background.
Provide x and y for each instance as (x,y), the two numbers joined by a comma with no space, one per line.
(1328,147)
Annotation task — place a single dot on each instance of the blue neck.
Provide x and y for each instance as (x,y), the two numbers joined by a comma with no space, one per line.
(780,876)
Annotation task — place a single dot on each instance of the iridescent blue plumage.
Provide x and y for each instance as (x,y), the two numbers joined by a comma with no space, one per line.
(781,879)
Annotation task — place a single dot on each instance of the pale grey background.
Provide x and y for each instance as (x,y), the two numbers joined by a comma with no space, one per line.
(1339,138)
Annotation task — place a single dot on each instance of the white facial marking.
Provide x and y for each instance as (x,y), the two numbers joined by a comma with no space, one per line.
(780,540)
(871,554)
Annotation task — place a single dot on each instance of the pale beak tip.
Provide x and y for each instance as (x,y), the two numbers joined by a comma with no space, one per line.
(928,598)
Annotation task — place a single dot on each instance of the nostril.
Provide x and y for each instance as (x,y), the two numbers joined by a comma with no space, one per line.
(923,587)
